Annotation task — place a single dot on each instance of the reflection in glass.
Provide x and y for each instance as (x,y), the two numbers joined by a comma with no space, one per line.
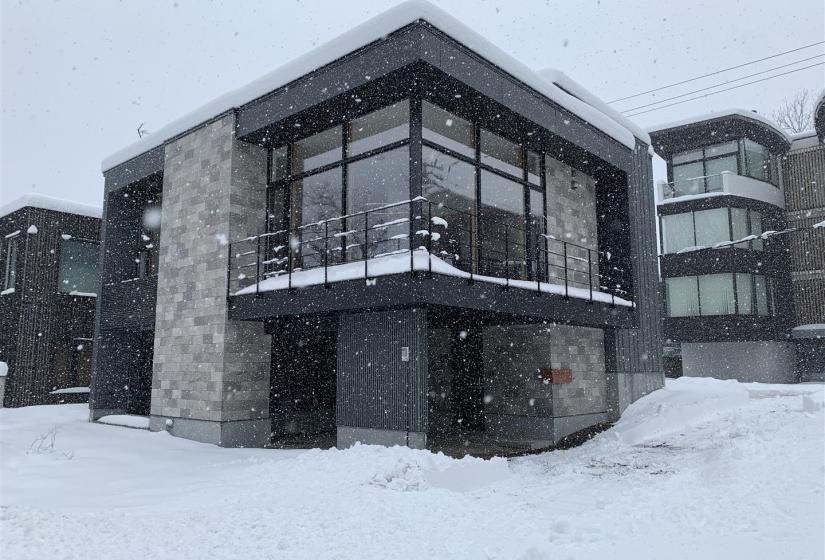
(716,294)
(449,184)
(711,227)
(500,153)
(677,232)
(682,296)
(78,266)
(372,183)
(379,128)
(688,178)
(317,150)
(744,294)
(739,225)
(448,130)
(280,163)
(502,225)
(316,198)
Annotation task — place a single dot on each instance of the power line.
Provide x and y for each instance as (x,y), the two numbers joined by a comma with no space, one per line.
(726,89)
(721,84)
(717,72)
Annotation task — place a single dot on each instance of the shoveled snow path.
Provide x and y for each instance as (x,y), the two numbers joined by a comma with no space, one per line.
(702,469)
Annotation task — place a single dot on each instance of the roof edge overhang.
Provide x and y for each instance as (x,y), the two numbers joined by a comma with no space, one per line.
(360,37)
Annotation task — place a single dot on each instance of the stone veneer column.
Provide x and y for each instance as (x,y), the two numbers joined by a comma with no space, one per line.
(210,375)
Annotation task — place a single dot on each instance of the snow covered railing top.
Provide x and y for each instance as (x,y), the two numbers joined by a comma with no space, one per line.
(420,235)
(694,186)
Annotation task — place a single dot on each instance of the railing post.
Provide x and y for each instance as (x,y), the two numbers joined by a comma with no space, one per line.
(258,267)
(536,267)
(564,250)
(366,243)
(326,254)
(506,257)
(470,246)
(289,259)
(429,239)
(590,273)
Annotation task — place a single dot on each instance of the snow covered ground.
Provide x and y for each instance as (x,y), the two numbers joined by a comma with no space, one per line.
(701,469)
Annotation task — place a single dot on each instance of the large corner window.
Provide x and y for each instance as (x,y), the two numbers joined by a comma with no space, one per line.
(719,294)
(78,272)
(708,228)
(10,262)
(358,166)
(700,170)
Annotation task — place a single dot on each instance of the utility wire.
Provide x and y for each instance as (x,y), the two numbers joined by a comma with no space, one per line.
(721,84)
(717,72)
(726,89)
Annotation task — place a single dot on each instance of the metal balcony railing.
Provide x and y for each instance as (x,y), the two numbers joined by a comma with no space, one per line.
(413,236)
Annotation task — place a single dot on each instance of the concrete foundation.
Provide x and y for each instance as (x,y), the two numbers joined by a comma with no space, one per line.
(349,436)
(751,361)
(240,433)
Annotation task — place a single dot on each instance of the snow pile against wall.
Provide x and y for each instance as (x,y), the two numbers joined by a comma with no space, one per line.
(50,203)
(581,103)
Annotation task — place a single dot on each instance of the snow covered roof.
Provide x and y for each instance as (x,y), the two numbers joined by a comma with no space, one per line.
(801,140)
(575,99)
(744,113)
(50,203)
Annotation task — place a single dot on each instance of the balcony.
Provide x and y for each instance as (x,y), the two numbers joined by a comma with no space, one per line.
(419,240)
(725,183)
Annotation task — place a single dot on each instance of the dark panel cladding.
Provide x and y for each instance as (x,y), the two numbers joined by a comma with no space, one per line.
(376,388)
(135,169)
(46,332)
(640,350)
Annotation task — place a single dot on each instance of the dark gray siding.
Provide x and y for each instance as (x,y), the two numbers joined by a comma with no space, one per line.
(375,388)
(640,350)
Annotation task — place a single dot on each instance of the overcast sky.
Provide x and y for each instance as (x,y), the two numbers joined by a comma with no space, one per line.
(79,77)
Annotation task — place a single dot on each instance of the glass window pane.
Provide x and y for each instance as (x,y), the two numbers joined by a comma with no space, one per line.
(374,182)
(757,161)
(379,128)
(719,149)
(739,223)
(501,153)
(448,130)
(761,290)
(450,185)
(744,294)
(280,164)
(677,232)
(714,168)
(716,294)
(688,179)
(78,266)
(533,167)
(682,296)
(316,198)
(756,229)
(711,227)
(502,226)
(683,157)
(317,150)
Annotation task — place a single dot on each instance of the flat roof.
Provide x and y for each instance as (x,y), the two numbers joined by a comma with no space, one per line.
(36,200)
(715,115)
(555,86)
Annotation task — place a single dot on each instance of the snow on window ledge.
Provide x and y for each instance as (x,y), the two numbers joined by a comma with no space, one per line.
(7,291)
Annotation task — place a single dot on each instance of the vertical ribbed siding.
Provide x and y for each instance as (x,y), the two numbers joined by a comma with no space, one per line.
(804,182)
(375,388)
(640,350)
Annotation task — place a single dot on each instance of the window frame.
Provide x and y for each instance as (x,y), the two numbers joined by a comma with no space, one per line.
(82,240)
(741,161)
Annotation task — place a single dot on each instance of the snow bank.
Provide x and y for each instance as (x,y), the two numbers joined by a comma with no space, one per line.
(50,203)
(70,391)
(588,107)
(721,114)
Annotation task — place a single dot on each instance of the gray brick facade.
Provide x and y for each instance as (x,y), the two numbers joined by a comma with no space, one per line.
(207,368)
(571,217)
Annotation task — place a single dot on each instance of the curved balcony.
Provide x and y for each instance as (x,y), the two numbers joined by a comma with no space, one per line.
(725,183)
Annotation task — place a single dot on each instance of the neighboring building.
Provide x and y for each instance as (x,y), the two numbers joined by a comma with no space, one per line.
(737,311)
(49,261)
(509,292)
